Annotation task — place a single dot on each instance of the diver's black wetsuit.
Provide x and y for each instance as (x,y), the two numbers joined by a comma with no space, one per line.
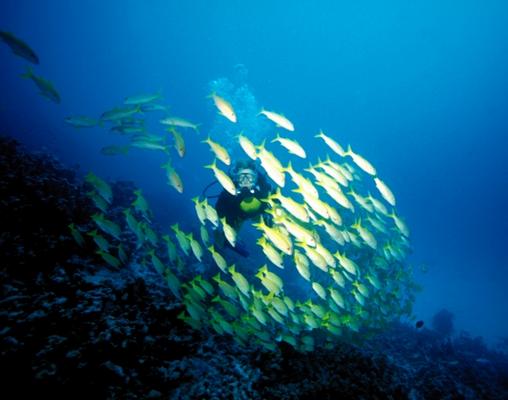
(244,205)
(230,206)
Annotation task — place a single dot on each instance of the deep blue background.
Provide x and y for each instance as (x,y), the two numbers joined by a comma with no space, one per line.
(419,88)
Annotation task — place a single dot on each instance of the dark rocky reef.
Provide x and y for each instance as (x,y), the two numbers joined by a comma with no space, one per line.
(38,199)
(72,327)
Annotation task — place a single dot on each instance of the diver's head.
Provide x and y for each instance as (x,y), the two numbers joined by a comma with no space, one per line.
(245,176)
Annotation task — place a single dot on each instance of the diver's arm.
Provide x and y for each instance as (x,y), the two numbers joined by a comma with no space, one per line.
(227,206)
(222,204)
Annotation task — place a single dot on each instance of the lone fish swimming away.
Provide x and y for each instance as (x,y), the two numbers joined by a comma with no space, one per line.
(142,98)
(180,122)
(279,119)
(19,47)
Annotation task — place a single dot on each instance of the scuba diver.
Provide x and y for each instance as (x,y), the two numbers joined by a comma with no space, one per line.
(252,186)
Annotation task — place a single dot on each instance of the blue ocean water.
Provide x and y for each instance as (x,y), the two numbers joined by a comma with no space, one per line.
(419,88)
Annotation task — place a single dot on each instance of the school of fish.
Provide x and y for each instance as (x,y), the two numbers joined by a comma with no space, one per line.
(332,258)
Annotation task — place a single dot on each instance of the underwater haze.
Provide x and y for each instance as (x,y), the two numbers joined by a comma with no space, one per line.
(417,88)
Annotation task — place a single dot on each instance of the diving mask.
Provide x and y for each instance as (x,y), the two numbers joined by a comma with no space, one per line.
(246,179)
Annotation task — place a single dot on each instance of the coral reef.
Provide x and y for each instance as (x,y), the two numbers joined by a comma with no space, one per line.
(71,326)
(39,199)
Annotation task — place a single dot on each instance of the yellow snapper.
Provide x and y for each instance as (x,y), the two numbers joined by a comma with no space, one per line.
(227,289)
(101,186)
(217,257)
(346,263)
(223,178)
(179,141)
(278,119)
(317,205)
(330,168)
(46,87)
(19,47)
(332,144)
(385,191)
(248,147)
(401,225)
(338,196)
(195,247)
(110,259)
(220,152)
(180,122)
(337,297)
(360,161)
(182,239)
(142,98)
(225,108)
(281,241)
(200,210)
(291,145)
(270,252)
(293,207)
(302,264)
(271,165)
(107,226)
(203,233)
(365,234)
(271,281)
(315,257)
(241,282)
(296,230)
(229,232)
(211,214)
(320,290)
(303,183)
(378,206)
(173,178)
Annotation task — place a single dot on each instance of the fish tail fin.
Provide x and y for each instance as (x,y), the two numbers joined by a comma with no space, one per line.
(260,224)
(277,138)
(261,146)
(213,165)
(289,168)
